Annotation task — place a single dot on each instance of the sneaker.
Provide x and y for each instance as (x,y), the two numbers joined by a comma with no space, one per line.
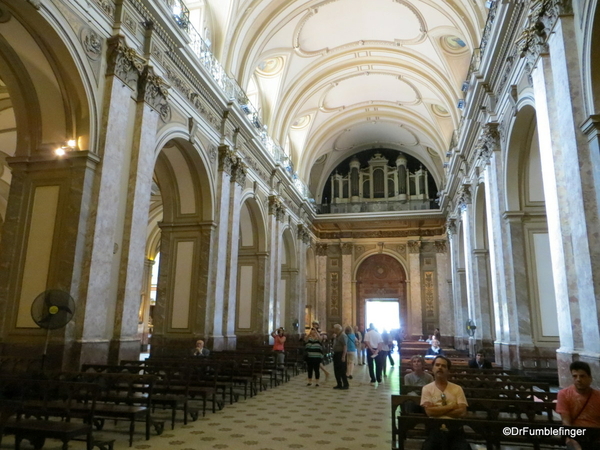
(309,384)
(379,381)
(338,387)
(372,381)
(345,387)
(349,377)
(317,385)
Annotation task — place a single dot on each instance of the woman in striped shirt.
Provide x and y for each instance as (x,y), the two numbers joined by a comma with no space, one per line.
(313,349)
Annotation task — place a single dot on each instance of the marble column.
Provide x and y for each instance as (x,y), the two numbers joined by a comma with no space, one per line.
(446,322)
(416,307)
(573,214)
(347,299)
(483,305)
(276,215)
(468,227)
(238,179)
(104,292)
(152,95)
(219,257)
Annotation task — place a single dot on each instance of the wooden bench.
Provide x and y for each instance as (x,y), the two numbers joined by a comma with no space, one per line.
(491,393)
(50,399)
(489,429)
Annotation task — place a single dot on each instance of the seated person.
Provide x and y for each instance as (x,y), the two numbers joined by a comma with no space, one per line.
(479,362)
(200,350)
(434,350)
(579,404)
(446,400)
(418,377)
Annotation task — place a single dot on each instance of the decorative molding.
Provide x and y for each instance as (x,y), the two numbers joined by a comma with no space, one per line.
(451,226)
(379,233)
(130,23)
(414,246)
(440,246)
(154,91)
(92,43)
(401,248)
(276,207)
(239,172)
(464,197)
(227,159)
(347,248)
(303,234)
(321,250)
(124,62)
(541,19)
(428,291)
(334,294)
(212,153)
(107,6)
(488,143)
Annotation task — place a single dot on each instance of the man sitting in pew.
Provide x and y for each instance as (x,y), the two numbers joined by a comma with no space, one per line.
(479,362)
(579,404)
(200,350)
(444,399)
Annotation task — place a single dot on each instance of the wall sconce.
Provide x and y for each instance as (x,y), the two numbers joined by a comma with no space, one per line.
(68,146)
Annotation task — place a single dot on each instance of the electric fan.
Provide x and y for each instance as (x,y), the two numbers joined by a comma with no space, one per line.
(471,327)
(52,309)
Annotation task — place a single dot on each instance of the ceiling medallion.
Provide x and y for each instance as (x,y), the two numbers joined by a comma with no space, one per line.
(439,110)
(270,67)
(302,122)
(453,44)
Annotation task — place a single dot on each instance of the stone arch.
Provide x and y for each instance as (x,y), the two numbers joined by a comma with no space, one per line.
(252,260)
(286,309)
(591,58)
(381,275)
(186,229)
(41,66)
(521,134)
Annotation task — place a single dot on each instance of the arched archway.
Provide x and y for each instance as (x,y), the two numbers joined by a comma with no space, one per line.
(286,308)
(182,311)
(381,276)
(252,258)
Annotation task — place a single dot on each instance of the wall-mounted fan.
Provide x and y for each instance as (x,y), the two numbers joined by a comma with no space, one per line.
(471,327)
(52,309)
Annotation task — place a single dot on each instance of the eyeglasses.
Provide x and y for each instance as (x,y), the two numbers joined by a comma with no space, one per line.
(444,403)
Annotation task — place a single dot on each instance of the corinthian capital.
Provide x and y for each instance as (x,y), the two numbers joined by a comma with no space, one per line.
(488,142)
(124,62)
(227,159)
(239,172)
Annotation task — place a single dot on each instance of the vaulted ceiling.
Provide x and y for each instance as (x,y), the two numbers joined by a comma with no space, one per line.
(335,77)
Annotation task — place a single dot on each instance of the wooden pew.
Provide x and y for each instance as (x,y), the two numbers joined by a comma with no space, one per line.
(508,394)
(490,428)
(50,399)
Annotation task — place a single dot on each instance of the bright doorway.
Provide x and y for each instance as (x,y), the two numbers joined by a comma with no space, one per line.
(384,313)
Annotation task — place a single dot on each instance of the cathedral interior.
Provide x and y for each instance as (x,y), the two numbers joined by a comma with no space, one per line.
(216,169)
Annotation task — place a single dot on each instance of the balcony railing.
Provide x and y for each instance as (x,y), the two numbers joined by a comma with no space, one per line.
(234,92)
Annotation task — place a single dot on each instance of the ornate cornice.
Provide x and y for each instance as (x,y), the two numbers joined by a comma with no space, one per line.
(303,234)
(124,62)
(414,246)
(154,91)
(489,142)
(321,249)
(276,207)
(451,226)
(227,159)
(239,171)
(440,246)
(542,16)
(464,197)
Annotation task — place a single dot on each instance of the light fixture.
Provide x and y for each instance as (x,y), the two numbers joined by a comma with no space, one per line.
(68,146)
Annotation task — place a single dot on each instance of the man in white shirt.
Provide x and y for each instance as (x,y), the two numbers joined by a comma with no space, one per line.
(444,400)
(374,344)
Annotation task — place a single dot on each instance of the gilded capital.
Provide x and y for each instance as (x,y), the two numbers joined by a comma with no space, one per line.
(227,159)
(124,62)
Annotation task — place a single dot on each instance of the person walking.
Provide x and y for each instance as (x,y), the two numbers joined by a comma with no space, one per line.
(313,350)
(374,345)
(340,348)
(360,350)
(351,352)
